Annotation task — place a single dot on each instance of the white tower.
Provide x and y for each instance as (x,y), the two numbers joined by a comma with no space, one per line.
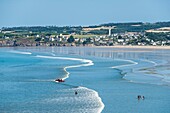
(110,30)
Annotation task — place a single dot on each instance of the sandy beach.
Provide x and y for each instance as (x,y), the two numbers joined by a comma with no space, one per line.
(135,47)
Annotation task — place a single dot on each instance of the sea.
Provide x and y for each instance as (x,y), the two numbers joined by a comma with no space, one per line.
(96,80)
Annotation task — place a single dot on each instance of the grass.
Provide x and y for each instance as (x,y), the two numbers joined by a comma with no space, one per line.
(1,34)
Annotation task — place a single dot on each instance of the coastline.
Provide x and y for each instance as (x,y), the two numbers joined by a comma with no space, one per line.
(116,46)
(135,47)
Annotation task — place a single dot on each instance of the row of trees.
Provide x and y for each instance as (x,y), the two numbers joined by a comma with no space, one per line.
(71,40)
(158,36)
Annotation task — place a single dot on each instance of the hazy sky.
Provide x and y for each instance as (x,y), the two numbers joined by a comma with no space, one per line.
(81,12)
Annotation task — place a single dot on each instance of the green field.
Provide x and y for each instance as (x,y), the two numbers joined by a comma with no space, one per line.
(84,36)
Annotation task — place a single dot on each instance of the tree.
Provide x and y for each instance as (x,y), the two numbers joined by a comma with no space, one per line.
(70,39)
(119,37)
(88,40)
(38,39)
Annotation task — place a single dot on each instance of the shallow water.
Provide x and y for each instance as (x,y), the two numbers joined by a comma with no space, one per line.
(109,84)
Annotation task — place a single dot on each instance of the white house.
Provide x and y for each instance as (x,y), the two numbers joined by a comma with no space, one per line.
(120,40)
(52,39)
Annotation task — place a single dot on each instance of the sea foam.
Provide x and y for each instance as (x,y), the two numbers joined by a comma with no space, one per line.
(125,65)
(21,52)
(85,62)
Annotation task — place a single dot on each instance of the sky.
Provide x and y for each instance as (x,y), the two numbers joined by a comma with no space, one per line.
(81,12)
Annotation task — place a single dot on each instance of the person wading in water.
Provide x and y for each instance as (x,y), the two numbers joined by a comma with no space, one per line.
(76,92)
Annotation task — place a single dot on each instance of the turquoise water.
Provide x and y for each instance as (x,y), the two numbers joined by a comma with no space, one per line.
(107,80)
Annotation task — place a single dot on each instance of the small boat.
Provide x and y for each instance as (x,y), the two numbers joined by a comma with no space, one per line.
(59,80)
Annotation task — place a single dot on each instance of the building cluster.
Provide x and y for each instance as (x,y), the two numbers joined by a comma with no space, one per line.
(128,38)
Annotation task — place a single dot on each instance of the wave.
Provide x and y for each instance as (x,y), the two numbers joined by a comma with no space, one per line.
(98,97)
(53,54)
(21,52)
(125,65)
(85,62)
(155,64)
(65,101)
(162,79)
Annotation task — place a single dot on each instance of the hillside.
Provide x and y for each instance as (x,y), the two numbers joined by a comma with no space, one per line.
(118,28)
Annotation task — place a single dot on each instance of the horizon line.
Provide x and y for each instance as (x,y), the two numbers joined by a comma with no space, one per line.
(81,25)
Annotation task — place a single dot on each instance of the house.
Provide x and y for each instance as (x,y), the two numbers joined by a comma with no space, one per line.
(2,42)
(37,36)
(120,40)
(6,37)
(76,39)
(59,39)
(51,39)
(97,39)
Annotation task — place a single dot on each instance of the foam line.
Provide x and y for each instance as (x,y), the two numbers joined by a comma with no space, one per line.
(21,52)
(133,63)
(86,63)
(155,64)
(53,54)
(97,95)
